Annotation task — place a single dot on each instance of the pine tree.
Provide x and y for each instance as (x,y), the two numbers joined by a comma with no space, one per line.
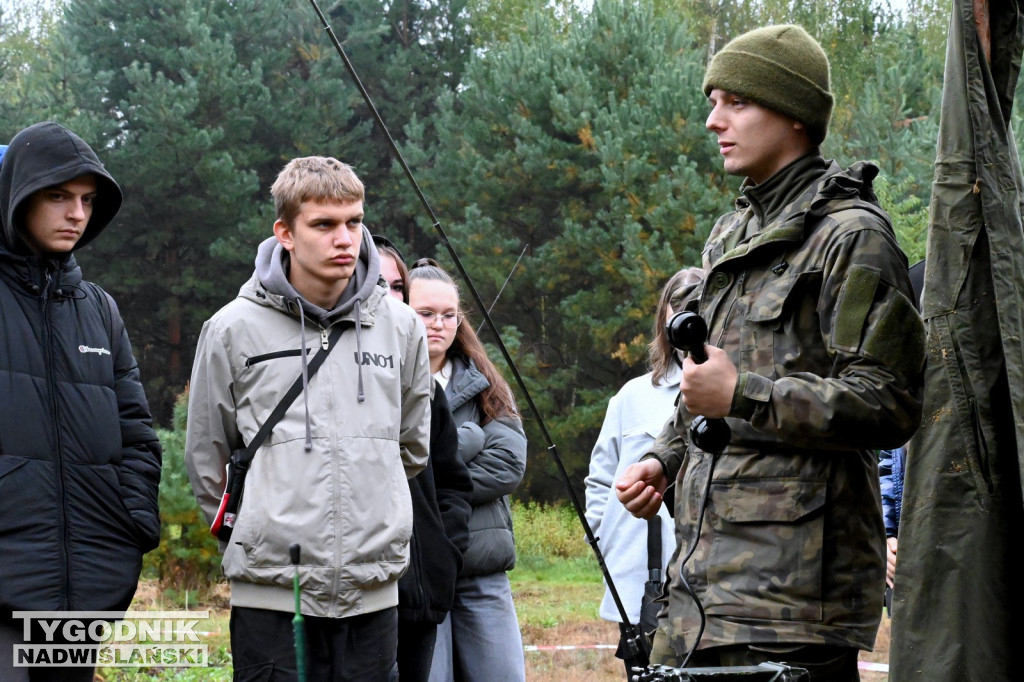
(198,105)
(406,54)
(585,145)
(205,102)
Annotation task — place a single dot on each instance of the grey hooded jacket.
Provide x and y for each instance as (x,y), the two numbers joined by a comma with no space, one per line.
(495,453)
(365,414)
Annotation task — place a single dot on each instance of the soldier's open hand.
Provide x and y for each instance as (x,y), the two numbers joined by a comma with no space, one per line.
(640,488)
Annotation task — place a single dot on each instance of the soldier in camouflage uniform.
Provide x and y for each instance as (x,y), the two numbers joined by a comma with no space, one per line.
(815,357)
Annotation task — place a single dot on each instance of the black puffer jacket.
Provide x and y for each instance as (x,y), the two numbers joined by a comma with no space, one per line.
(440,523)
(79,460)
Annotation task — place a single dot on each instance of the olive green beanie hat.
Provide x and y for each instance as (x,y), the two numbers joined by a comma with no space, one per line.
(780,67)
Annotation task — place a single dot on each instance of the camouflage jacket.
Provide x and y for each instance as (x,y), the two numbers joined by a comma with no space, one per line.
(808,292)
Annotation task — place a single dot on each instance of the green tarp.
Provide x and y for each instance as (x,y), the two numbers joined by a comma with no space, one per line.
(958,590)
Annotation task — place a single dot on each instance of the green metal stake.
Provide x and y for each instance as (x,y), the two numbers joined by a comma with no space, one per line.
(297,623)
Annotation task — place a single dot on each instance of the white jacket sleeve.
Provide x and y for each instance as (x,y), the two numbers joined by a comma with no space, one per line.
(604,460)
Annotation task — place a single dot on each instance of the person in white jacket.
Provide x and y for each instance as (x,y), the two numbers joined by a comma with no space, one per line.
(332,475)
(635,417)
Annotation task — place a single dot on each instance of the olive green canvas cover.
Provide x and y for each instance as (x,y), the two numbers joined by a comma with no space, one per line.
(958,591)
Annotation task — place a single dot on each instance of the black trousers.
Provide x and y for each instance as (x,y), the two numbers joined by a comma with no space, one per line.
(357,649)
(415,650)
(12,634)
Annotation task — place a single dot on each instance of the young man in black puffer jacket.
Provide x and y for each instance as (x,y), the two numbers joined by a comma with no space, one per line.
(79,459)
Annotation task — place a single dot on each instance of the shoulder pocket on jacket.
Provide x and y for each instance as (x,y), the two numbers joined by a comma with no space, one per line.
(895,335)
(853,306)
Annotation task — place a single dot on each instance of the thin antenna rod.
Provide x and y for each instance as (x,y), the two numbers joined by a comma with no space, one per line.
(591,539)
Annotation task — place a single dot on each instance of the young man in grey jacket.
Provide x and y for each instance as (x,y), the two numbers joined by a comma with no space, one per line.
(332,474)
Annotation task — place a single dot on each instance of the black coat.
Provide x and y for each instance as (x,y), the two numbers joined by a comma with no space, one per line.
(79,459)
(440,529)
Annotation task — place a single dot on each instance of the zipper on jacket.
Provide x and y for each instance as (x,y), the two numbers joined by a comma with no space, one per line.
(59,459)
(324,339)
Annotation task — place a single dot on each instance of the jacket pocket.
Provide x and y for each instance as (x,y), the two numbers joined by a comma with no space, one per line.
(19,493)
(765,559)
(761,351)
(115,508)
(287,499)
(960,404)
(8,464)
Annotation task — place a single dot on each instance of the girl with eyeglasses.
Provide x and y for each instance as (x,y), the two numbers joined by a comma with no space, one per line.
(480,638)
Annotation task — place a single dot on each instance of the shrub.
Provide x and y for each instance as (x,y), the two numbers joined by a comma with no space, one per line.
(548,531)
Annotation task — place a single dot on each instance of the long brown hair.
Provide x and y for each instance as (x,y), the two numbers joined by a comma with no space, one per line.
(496,400)
(661,356)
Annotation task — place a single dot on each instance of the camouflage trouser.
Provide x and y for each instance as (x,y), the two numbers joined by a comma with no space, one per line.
(822,662)
(662,652)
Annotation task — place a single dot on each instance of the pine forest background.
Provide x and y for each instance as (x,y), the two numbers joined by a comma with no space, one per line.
(572,134)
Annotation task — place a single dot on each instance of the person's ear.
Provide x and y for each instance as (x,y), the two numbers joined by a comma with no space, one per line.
(284,234)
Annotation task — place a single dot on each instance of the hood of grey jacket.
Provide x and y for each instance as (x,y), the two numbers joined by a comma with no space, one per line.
(270,286)
(272,272)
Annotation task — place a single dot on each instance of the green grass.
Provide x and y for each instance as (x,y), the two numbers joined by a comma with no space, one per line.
(548,531)
(211,674)
(563,591)
(556,579)
(218,655)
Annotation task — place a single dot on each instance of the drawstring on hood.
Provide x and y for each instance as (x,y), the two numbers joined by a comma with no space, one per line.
(272,264)
(360,394)
(305,377)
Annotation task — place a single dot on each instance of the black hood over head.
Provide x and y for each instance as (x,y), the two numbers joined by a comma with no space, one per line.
(44,155)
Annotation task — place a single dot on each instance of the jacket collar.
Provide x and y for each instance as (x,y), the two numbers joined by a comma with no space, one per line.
(786,187)
(60,274)
(466,383)
(829,191)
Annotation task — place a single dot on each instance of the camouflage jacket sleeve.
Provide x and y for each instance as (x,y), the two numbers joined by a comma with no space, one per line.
(865,392)
(670,446)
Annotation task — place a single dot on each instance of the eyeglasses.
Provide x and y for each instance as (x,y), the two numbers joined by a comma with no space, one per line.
(449,319)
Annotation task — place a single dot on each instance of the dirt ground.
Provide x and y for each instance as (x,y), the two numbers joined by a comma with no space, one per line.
(546,663)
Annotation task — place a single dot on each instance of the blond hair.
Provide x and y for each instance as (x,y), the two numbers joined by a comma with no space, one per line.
(314,178)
